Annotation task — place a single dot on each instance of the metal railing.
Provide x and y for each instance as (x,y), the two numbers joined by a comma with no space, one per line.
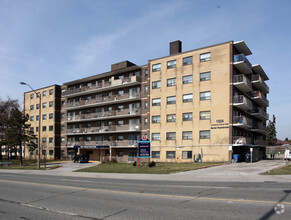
(242,120)
(258,94)
(241,99)
(241,78)
(242,58)
(260,79)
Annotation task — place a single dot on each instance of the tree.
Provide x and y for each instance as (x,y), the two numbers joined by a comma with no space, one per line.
(18,132)
(272,133)
(5,111)
(286,139)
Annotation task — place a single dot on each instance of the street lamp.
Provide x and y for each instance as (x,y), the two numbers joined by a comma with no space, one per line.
(38,147)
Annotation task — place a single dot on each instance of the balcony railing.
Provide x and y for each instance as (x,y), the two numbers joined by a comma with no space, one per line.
(242,102)
(242,121)
(260,113)
(104,129)
(102,86)
(103,115)
(242,83)
(102,100)
(260,128)
(239,140)
(260,99)
(242,63)
(117,143)
(258,81)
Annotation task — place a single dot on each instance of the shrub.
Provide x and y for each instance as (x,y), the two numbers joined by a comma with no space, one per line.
(152,164)
(134,164)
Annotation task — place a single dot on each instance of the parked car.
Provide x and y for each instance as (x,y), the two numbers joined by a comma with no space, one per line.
(287,155)
(80,158)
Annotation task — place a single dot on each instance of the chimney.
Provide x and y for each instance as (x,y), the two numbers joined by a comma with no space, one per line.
(175,47)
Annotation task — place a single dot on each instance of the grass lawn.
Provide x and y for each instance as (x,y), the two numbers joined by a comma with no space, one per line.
(160,168)
(27,165)
(285,170)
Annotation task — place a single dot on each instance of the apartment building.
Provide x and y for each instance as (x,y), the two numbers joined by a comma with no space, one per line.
(106,114)
(209,102)
(49,118)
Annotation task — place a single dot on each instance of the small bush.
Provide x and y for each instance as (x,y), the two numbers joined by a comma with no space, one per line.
(152,164)
(134,164)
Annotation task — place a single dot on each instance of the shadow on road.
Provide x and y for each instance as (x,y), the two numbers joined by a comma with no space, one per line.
(270,213)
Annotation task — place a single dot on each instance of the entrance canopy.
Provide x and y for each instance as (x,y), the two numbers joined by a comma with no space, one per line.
(91,146)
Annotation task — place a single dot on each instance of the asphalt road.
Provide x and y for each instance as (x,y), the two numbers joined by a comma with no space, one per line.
(27,196)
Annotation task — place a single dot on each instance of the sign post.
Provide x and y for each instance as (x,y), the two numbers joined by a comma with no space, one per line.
(144,149)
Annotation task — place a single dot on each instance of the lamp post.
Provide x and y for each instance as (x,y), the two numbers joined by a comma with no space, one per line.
(39,118)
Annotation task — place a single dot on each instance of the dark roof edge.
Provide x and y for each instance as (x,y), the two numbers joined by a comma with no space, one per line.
(55,85)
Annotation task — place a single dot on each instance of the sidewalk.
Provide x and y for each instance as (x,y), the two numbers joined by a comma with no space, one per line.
(237,172)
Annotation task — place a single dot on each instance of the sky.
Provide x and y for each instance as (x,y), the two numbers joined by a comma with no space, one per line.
(46,42)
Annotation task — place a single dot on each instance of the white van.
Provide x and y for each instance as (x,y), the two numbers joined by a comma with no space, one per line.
(287,155)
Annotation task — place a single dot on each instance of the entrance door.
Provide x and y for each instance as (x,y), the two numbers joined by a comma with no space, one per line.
(131,156)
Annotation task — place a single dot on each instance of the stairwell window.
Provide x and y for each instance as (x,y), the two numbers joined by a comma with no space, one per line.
(205,57)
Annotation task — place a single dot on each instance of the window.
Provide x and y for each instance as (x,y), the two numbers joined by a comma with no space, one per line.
(120,108)
(205,76)
(171,64)
(32,129)
(43,128)
(171,82)
(51,116)
(187,60)
(146,104)
(121,92)
(146,121)
(44,105)
(38,94)
(156,136)
(31,96)
(51,127)
(171,135)
(51,152)
(186,154)
(205,57)
(146,72)
(51,91)
(156,154)
(63,115)
(156,67)
(44,117)
(44,93)
(146,88)
(205,115)
(51,140)
(36,129)
(156,102)
(120,153)
(31,118)
(171,118)
(37,106)
(171,154)
(51,104)
(205,134)
(187,79)
(37,117)
(120,138)
(31,107)
(187,116)
(43,140)
(156,119)
(187,98)
(171,100)
(187,135)
(156,85)
(205,96)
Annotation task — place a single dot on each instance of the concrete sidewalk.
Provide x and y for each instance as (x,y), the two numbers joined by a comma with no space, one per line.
(237,172)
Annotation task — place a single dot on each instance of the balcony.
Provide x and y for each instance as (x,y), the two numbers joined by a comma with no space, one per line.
(103,86)
(242,83)
(260,113)
(259,128)
(242,102)
(101,101)
(116,144)
(103,129)
(242,64)
(260,99)
(126,113)
(259,83)
(240,141)
(242,122)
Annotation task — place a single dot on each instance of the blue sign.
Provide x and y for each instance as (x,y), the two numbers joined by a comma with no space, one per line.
(144,149)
